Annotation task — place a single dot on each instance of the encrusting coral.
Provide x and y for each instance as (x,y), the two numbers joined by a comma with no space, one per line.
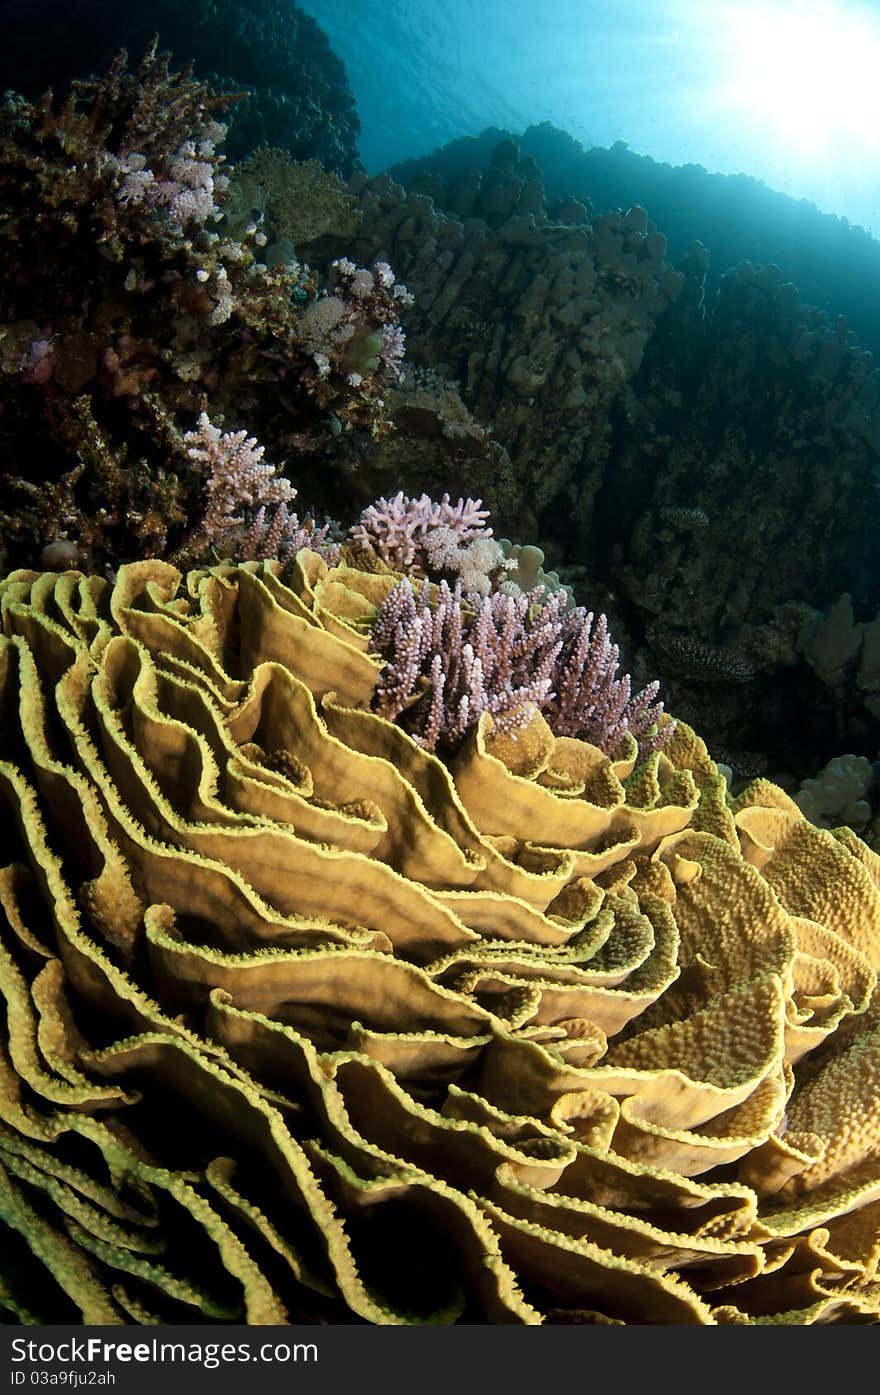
(302,1023)
(297,204)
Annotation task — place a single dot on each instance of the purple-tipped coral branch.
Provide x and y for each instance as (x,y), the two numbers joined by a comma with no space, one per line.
(448,663)
(447,667)
(590,701)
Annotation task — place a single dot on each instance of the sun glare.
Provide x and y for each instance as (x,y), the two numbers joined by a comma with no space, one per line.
(806,75)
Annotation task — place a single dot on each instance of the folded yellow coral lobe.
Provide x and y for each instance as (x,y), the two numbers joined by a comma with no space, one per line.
(300,1023)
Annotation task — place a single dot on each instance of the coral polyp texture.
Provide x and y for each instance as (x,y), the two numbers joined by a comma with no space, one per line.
(303,1024)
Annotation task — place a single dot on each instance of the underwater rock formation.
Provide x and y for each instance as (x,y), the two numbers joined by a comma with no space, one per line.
(739,217)
(642,426)
(303,1024)
(540,322)
(761,411)
(693,466)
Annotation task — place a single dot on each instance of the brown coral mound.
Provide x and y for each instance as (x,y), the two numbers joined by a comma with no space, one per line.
(301,1024)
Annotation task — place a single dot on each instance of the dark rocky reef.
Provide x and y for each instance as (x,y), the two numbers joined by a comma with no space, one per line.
(835,264)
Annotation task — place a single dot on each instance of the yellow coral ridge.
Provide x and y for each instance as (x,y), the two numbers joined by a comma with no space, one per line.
(299,1023)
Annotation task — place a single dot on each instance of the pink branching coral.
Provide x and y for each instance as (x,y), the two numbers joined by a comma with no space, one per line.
(590,701)
(402,531)
(446,668)
(246,515)
(505,654)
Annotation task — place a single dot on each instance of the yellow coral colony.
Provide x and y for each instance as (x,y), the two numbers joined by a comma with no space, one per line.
(299,1022)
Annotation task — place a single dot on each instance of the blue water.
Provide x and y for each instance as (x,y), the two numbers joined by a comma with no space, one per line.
(781,91)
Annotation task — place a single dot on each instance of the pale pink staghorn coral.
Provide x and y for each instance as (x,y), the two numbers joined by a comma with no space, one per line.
(505,654)
(445,668)
(396,530)
(246,515)
(590,701)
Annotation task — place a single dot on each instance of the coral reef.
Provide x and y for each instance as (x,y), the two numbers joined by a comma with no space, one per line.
(303,1024)
(695,466)
(618,425)
(301,207)
(368,951)
(125,312)
(297,93)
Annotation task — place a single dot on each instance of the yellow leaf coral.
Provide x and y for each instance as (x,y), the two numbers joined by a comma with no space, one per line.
(300,1022)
